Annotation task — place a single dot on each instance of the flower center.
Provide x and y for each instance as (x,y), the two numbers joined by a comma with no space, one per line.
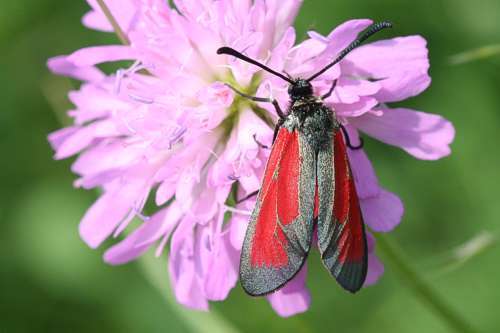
(240,103)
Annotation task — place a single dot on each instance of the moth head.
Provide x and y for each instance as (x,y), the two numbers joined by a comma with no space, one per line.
(299,89)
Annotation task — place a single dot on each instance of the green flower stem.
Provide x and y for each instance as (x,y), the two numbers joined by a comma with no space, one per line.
(481,53)
(414,281)
(118,30)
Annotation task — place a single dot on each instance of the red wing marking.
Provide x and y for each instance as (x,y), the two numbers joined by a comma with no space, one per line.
(341,234)
(279,202)
(346,207)
(288,181)
(342,179)
(279,234)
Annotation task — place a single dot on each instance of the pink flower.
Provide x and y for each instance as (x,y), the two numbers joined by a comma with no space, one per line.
(167,130)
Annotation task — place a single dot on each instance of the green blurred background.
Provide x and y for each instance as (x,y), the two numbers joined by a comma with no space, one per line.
(51,282)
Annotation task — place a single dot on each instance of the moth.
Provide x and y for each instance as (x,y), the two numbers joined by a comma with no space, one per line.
(308,185)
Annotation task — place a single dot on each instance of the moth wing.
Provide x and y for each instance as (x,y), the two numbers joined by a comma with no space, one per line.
(279,234)
(341,231)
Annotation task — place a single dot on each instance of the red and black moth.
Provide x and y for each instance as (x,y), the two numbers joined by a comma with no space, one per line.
(307,183)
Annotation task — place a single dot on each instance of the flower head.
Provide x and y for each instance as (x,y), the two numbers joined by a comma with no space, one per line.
(167,130)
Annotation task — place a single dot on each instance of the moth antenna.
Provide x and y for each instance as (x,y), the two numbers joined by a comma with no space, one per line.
(234,53)
(373,29)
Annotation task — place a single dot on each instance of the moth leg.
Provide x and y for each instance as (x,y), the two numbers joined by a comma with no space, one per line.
(261,145)
(274,102)
(277,128)
(238,201)
(329,93)
(348,140)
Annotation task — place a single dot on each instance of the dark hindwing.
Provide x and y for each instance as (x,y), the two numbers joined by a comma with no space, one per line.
(341,233)
(280,231)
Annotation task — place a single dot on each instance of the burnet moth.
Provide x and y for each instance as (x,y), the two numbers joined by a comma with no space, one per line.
(307,183)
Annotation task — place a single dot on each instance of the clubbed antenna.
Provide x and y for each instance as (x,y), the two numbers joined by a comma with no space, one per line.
(373,29)
(233,52)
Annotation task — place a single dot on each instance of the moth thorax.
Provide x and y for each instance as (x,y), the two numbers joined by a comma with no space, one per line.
(318,126)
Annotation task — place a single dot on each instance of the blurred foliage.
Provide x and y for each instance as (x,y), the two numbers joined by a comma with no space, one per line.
(51,282)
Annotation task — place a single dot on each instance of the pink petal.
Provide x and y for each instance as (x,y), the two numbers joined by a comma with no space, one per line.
(105,156)
(62,66)
(293,298)
(98,179)
(280,52)
(84,137)
(141,239)
(216,94)
(94,55)
(205,207)
(336,41)
(102,218)
(400,63)
(375,270)
(302,60)
(191,8)
(222,274)
(423,135)
(279,15)
(93,102)
(238,227)
(382,213)
(375,266)
(127,249)
(357,109)
(124,11)
(183,276)
(345,34)
(57,138)
(165,192)
(364,175)
(349,91)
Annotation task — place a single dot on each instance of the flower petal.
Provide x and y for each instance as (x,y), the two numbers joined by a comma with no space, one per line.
(124,11)
(182,271)
(278,17)
(102,218)
(382,213)
(375,266)
(293,298)
(335,42)
(84,137)
(401,65)
(423,135)
(345,34)
(127,250)
(357,109)
(364,175)
(348,90)
(238,227)
(375,270)
(382,210)
(57,138)
(90,56)
(62,66)
(222,274)
(141,239)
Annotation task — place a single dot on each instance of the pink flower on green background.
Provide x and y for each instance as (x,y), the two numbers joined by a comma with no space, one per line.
(166,130)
